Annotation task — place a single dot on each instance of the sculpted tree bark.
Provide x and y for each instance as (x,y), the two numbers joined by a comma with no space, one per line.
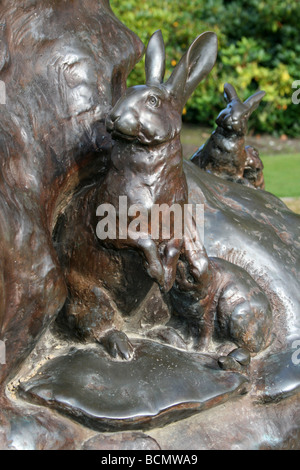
(64,65)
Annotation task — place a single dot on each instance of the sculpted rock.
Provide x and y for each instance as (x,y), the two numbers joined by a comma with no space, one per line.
(256,231)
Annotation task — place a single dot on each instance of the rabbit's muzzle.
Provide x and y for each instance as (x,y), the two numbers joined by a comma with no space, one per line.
(124,127)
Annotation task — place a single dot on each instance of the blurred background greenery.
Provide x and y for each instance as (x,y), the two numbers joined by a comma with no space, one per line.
(259,48)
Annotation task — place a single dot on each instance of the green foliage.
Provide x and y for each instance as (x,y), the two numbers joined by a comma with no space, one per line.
(281,173)
(259,48)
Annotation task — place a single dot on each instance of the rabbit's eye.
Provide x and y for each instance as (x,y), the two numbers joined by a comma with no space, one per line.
(153,101)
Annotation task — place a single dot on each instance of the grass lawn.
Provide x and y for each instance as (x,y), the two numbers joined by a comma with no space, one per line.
(282,174)
(293,204)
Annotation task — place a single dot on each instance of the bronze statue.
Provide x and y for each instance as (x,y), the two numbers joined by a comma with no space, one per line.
(253,171)
(149,171)
(208,304)
(132,334)
(225,154)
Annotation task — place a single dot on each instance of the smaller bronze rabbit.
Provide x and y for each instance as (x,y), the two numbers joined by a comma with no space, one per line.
(225,304)
(224,153)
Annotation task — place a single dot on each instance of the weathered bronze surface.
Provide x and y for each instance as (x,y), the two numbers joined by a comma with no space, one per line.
(135,334)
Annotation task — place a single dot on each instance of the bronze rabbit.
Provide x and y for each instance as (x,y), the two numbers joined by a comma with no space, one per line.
(146,162)
(224,154)
(146,167)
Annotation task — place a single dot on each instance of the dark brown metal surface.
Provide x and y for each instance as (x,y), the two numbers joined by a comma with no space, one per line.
(72,138)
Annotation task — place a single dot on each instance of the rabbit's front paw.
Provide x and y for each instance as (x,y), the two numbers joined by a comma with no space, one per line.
(236,361)
(118,345)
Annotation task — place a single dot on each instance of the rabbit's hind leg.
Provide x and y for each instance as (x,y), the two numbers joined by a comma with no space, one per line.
(244,314)
(248,325)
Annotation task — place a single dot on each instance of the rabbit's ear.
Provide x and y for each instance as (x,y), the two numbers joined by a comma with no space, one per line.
(155,61)
(193,67)
(253,101)
(230,93)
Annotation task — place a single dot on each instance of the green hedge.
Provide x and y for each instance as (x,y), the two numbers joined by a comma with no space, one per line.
(259,47)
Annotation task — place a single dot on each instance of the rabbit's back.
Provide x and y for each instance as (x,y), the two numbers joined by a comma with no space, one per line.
(222,153)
